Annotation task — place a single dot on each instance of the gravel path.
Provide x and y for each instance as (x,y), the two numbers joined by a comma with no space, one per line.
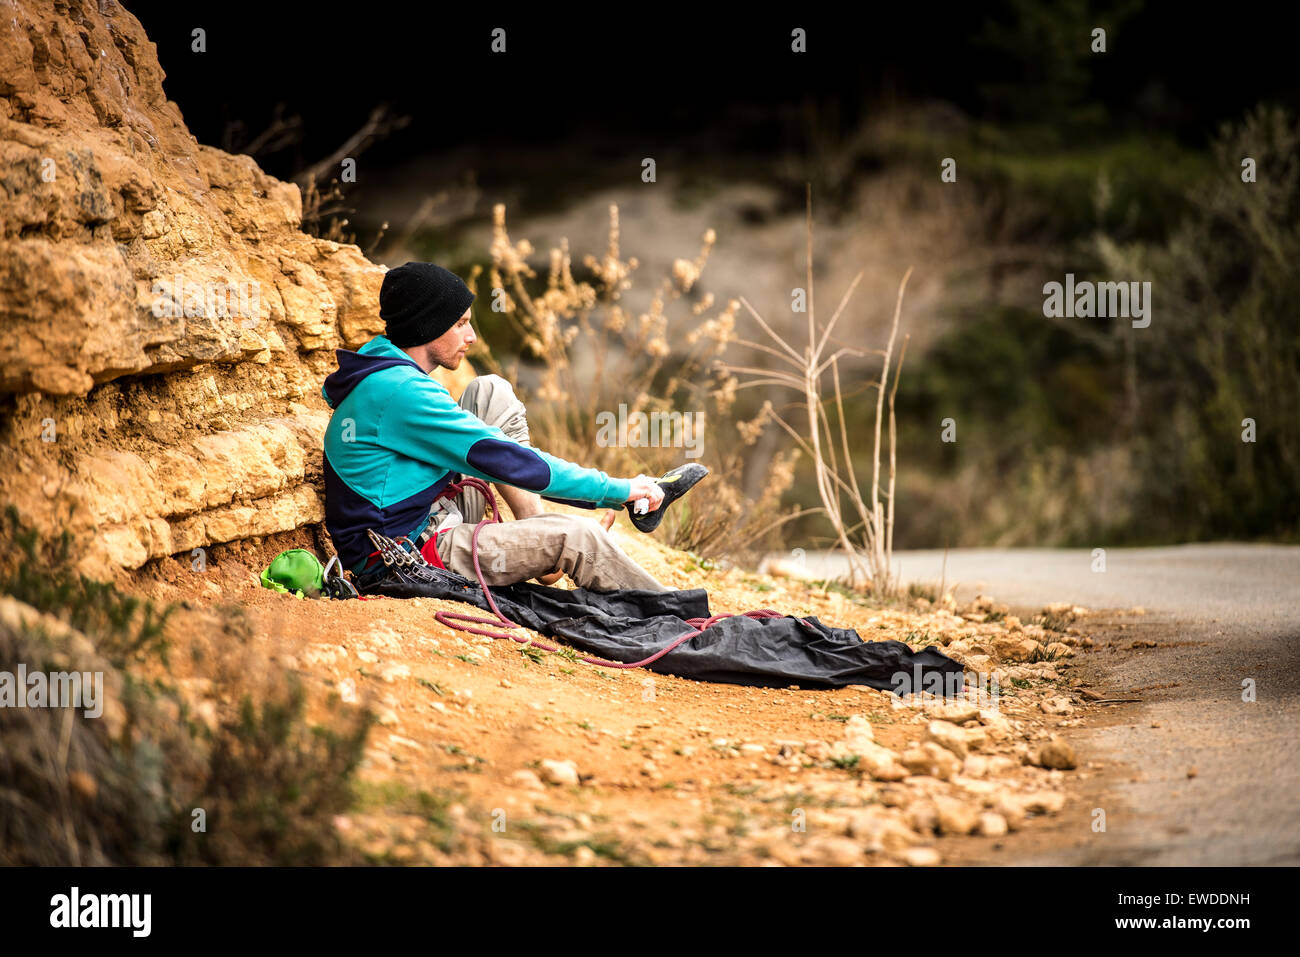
(1192,774)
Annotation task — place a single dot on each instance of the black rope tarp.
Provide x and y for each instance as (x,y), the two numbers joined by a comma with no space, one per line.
(631,625)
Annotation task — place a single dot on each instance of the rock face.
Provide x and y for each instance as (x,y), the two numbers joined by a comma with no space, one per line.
(166,323)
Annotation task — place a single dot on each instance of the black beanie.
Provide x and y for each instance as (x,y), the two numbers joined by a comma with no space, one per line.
(420,301)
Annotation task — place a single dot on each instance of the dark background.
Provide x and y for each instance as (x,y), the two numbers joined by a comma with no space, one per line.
(669,71)
(1073,433)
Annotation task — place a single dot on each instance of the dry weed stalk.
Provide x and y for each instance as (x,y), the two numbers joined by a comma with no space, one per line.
(869,557)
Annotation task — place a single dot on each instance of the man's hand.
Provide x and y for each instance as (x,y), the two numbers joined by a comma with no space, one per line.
(646,487)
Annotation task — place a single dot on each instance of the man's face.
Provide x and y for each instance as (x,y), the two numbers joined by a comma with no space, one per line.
(450,347)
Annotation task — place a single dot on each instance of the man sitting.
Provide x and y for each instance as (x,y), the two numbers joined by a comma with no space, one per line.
(397,441)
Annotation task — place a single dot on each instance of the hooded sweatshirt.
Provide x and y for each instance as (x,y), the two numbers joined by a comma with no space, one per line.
(397,439)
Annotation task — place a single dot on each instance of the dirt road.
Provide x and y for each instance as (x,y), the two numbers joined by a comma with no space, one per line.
(1192,773)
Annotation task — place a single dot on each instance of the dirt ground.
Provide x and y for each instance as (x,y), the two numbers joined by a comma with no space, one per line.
(487,752)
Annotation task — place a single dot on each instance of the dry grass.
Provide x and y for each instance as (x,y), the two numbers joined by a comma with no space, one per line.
(868,543)
(592,356)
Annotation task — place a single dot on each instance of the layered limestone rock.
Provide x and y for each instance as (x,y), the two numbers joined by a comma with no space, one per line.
(166,323)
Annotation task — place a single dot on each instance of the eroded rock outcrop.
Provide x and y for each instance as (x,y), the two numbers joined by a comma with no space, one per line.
(139,410)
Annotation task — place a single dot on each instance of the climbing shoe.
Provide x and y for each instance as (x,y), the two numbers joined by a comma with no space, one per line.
(675,483)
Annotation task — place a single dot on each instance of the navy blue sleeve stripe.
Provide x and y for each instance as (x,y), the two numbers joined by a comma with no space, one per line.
(511,463)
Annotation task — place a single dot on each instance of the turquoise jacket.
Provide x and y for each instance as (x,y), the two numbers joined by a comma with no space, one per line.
(397,439)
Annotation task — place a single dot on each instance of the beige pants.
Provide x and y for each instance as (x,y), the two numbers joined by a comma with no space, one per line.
(510,552)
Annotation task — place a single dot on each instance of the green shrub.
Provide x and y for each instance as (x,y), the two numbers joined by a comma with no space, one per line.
(1224,346)
(123,788)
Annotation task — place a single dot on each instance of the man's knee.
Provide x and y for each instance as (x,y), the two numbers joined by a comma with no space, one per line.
(488,384)
(492,398)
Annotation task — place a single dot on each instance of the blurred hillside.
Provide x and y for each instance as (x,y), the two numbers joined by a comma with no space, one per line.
(1114,165)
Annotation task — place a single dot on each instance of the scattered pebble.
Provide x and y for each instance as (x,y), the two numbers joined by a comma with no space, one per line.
(525,778)
(921,857)
(348,691)
(1058,754)
(564,773)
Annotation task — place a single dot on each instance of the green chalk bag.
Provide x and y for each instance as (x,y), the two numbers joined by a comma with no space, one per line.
(297,572)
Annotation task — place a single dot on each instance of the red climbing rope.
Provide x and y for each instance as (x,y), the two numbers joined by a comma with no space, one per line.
(445,617)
